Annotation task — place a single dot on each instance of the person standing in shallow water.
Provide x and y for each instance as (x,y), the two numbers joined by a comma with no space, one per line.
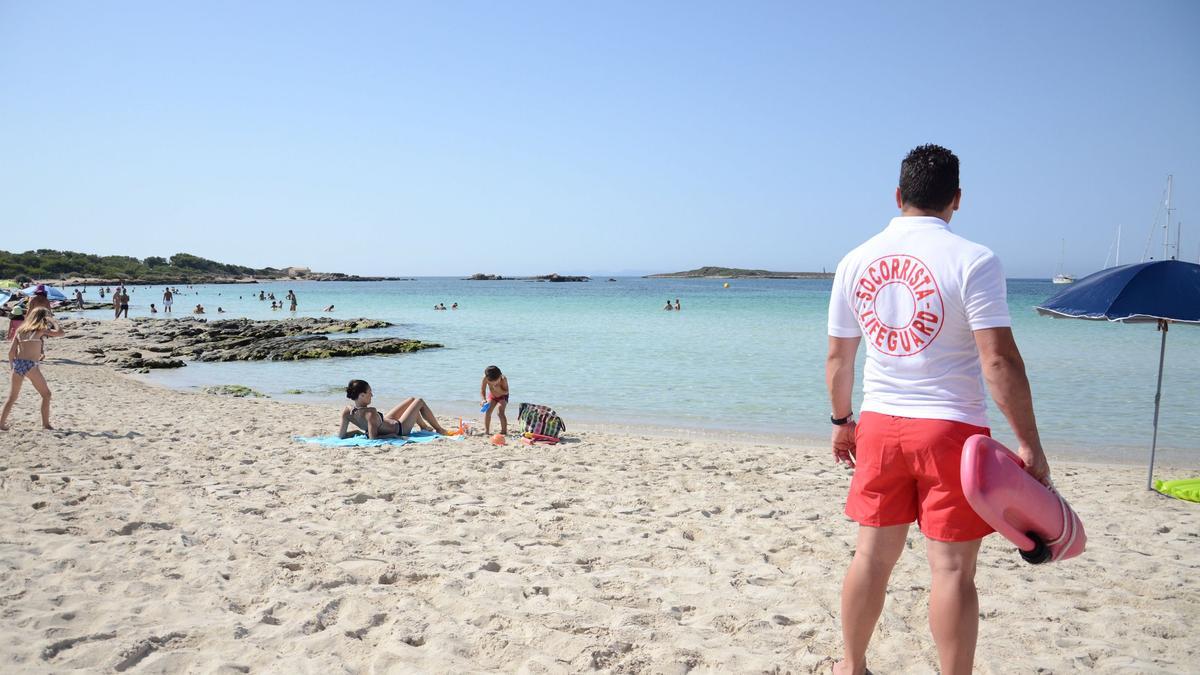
(933,309)
(122,298)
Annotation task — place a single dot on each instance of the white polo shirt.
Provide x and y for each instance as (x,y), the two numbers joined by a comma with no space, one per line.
(914,293)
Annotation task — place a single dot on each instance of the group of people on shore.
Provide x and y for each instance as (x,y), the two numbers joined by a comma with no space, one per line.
(19,307)
(120,301)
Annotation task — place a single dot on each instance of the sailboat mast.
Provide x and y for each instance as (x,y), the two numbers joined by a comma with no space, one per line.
(1167,223)
(1118,245)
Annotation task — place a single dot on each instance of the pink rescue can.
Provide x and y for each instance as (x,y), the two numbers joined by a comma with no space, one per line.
(1034,517)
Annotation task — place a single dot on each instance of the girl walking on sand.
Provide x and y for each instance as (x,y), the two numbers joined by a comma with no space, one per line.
(24,356)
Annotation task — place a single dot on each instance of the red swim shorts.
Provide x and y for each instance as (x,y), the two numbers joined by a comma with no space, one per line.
(908,469)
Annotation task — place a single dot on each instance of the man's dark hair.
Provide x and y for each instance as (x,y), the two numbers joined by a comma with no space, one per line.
(492,373)
(929,177)
(356,388)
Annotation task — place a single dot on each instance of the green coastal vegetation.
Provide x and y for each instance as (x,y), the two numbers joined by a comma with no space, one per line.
(179,268)
(736,273)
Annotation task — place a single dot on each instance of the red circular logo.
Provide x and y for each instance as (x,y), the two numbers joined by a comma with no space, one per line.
(898,305)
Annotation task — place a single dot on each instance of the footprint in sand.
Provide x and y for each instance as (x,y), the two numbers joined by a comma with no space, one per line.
(134,654)
(376,621)
(324,618)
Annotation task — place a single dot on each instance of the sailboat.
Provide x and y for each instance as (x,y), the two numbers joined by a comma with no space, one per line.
(1061,278)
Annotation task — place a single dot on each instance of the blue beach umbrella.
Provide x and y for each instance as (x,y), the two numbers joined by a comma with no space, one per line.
(52,293)
(1160,292)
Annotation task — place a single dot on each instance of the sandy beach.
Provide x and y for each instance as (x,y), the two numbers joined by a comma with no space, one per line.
(167,531)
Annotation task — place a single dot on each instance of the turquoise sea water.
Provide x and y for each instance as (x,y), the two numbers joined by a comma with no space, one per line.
(750,357)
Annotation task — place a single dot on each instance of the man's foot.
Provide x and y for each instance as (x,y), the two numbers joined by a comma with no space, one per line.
(47,426)
(841,668)
(4,427)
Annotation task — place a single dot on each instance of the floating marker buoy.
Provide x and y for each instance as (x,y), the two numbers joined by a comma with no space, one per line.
(726,284)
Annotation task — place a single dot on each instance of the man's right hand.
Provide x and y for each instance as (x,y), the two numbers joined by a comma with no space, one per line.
(1035,464)
(843,444)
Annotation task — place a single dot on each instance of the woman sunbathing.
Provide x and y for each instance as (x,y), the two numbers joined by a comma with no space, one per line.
(399,421)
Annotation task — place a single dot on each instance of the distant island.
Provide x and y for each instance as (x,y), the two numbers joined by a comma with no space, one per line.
(545,277)
(735,273)
(181,268)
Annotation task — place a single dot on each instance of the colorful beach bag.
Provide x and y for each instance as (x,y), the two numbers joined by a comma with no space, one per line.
(541,420)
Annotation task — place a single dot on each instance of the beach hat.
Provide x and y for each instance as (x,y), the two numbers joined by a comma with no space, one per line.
(18,311)
(40,290)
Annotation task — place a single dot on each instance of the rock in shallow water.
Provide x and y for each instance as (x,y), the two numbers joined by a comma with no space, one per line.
(247,340)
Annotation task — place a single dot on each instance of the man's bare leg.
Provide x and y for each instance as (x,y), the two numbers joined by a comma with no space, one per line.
(954,603)
(864,589)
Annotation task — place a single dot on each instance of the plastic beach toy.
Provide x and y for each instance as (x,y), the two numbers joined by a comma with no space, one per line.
(1034,517)
(498,439)
(460,431)
(485,406)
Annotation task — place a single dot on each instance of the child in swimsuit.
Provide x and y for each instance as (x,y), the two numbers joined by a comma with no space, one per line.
(24,354)
(494,392)
(399,421)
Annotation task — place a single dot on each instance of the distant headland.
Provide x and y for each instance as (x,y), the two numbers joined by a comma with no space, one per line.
(181,268)
(735,273)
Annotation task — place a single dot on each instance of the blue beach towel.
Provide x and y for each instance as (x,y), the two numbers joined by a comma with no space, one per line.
(364,442)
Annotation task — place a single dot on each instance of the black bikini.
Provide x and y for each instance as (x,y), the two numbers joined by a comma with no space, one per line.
(382,419)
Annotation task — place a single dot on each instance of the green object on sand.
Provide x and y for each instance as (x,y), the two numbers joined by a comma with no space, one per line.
(1187,488)
(236,390)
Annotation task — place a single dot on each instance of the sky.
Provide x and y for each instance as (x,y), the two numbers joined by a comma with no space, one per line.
(448,138)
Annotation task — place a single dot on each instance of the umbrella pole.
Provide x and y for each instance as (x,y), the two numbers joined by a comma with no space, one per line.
(1162,352)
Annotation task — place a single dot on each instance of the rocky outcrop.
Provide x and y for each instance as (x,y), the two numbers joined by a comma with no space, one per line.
(544,277)
(169,341)
(302,347)
(235,390)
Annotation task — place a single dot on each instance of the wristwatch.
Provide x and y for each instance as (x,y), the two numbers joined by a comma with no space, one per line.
(839,421)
